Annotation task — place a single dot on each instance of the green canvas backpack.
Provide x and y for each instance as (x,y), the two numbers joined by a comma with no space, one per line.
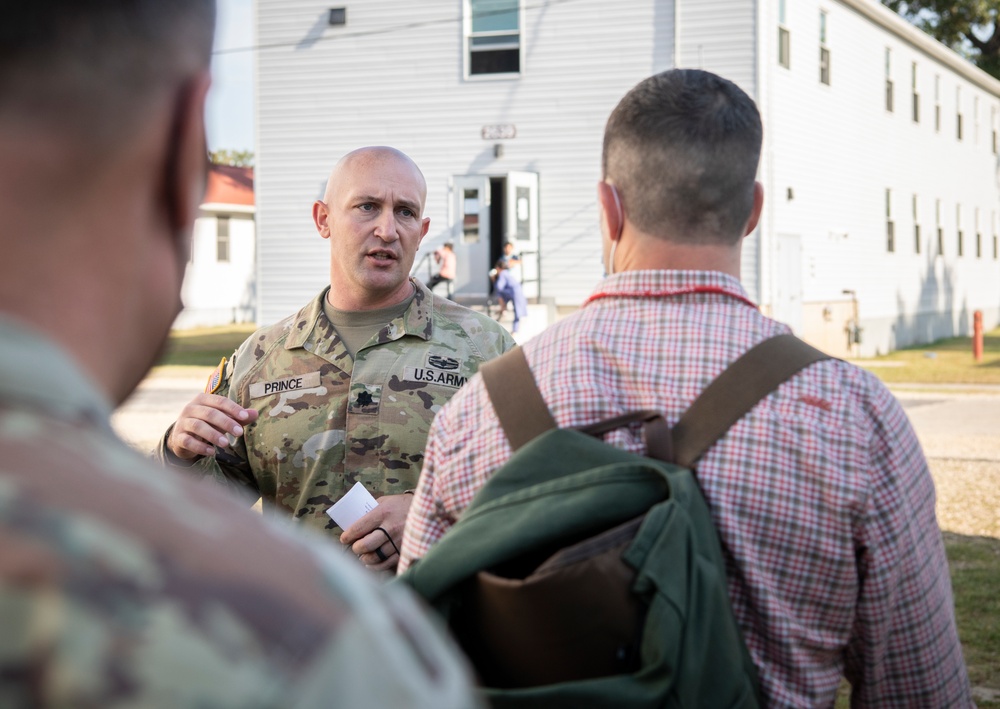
(582,575)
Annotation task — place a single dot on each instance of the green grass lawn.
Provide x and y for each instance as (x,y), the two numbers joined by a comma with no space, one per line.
(201,347)
(947,361)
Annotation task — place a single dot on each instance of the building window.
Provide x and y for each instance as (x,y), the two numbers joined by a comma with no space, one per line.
(916,94)
(916,227)
(222,239)
(958,230)
(958,112)
(824,51)
(470,217)
(784,38)
(890,227)
(494,37)
(888,79)
(937,104)
(940,229)
(979,237)
(993,127)
(975,119)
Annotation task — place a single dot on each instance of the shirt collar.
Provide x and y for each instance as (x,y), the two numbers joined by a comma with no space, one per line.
(312,330)
(35,372)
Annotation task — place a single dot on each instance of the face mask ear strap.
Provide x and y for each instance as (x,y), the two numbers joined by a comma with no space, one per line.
(621,225)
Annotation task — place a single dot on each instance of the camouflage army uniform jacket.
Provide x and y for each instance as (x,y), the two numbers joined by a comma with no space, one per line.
(327,421)
(122,585)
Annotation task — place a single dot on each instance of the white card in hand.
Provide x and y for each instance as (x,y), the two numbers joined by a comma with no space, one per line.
(352,506)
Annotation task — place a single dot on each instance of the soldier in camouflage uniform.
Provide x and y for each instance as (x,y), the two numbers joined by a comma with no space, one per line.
(301,413)
(122,584)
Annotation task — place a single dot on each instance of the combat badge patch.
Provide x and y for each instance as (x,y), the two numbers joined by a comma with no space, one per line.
(439,369)
(365,398)
(215,379)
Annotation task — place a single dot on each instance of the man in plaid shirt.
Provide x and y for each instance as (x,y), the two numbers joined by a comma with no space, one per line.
(821,494)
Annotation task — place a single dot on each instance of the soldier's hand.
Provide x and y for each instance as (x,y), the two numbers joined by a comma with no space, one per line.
(375,538)
(204,423)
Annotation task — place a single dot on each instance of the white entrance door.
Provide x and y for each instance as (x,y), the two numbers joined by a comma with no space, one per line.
(522,226)
(788,281)
(470,219)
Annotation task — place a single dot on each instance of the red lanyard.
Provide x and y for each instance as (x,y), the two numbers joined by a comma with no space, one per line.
(714,290)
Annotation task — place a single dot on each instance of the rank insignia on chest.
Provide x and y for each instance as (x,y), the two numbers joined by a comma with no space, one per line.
(215,379)
(365,398)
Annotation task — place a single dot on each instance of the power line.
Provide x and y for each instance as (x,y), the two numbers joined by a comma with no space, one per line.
(384,30)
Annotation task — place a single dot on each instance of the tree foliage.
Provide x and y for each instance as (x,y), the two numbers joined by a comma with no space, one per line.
(236,158)
(967,26)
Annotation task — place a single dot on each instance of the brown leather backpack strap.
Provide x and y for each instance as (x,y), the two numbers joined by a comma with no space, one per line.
(737,390)
(519,405)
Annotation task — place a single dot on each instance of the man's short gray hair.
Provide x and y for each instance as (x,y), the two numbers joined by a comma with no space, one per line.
(682,148)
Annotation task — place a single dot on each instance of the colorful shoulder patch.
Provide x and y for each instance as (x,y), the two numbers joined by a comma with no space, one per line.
(215,380)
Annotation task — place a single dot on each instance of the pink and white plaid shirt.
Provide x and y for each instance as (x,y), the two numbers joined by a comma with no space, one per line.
(821,494)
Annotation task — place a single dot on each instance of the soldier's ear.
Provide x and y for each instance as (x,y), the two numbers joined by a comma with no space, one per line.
(321,218)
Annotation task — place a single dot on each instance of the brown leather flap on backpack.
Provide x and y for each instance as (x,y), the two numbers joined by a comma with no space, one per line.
(573,617)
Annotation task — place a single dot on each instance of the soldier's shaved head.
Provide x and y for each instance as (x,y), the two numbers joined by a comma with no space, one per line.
(369,155)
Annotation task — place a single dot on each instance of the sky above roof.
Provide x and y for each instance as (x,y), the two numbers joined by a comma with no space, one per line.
(229,112)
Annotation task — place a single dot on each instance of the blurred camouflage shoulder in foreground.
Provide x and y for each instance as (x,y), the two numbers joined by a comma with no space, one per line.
(123,585)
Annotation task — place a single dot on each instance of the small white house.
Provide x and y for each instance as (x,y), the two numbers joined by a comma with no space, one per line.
(879,165)
(220,280)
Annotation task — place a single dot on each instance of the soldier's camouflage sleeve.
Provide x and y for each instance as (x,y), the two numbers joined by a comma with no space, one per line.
(122,585)
(327,421)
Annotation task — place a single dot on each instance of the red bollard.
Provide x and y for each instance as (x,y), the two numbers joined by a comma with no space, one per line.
(977,335)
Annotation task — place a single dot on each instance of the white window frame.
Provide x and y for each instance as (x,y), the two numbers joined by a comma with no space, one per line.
(975,119)
(958,114)
(890,226)
(824,49)
(223,239)
(979,237)
(890,100)
(959,235)
(784,38)
(940,229)
(937,103)
(467,50)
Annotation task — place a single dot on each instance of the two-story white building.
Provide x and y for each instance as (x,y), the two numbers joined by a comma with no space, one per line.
(879,164)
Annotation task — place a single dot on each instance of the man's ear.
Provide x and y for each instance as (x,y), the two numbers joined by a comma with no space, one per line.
(758,206)
(187,159)
(612,216)
(321,218)
(425,224)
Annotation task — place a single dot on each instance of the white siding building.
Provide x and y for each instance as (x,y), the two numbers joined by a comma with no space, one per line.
(502,103)
(220,280)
